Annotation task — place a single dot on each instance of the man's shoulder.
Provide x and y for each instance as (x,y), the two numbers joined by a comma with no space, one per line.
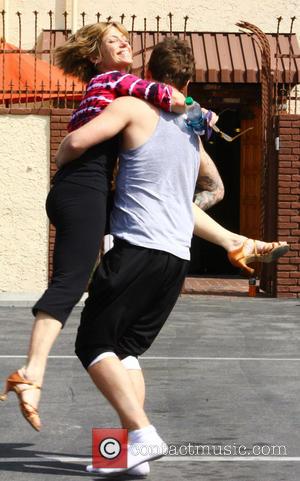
(132,101)
(134,108)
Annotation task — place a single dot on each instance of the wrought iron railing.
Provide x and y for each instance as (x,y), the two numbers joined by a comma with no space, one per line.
(20,69)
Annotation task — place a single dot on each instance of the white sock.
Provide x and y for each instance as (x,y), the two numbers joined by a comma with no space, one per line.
(137,435)
(144,445)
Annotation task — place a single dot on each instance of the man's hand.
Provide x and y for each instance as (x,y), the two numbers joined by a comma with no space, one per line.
(209,188)
(68,150)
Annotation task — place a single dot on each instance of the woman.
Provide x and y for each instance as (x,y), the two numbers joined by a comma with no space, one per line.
(76,205)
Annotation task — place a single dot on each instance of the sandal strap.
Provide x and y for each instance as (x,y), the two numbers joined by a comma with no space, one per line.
(26,405)
(267,248)
(17,379)
(27,387)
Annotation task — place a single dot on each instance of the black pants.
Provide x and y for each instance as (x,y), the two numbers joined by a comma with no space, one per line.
(79,215)
(132,293)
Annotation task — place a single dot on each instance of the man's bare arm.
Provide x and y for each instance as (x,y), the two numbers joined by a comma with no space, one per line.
(103,127)
(209,187)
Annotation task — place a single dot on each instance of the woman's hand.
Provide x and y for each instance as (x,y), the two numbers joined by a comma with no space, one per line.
(177,102)
(214,117)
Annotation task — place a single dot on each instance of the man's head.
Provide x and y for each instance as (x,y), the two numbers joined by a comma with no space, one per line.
(172,62)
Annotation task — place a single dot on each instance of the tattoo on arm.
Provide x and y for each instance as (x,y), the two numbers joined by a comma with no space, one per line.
(209,188)
(208,192)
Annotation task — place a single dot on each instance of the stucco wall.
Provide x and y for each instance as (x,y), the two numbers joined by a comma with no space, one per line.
(24,182)
(203,16)
(218,15)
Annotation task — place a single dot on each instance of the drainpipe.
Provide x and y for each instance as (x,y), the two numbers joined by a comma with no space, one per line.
(74,15)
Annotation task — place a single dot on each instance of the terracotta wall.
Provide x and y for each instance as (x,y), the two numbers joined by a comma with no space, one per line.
(288,203)
(59,119)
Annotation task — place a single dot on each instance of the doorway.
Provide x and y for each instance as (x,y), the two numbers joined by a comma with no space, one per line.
(239,164)
(207,258)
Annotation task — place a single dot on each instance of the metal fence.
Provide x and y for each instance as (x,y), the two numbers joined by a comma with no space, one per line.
(286,96)
(29,77)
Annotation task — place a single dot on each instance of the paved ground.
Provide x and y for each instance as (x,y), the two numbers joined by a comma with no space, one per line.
(223,373)
(218,286)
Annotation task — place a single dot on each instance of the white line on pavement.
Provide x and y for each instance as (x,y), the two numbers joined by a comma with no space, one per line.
(229,458)
(55,467)
(79,459)
(173,358)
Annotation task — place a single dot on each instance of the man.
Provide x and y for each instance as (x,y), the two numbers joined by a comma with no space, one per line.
(138,282)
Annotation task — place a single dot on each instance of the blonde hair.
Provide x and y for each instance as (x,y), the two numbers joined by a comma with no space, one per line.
(74,56)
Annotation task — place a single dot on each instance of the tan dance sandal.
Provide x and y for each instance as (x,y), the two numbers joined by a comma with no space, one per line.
(270,252)
(29,412)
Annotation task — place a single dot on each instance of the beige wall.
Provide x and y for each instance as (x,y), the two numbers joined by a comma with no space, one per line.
(24,154)
(218,15)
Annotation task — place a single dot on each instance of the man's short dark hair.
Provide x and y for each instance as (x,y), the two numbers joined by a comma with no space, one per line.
(172,62)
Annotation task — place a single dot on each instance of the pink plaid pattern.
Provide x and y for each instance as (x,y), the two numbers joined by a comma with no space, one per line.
(104,88)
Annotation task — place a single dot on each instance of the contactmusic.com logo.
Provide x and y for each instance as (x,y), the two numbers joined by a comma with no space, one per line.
(110,448)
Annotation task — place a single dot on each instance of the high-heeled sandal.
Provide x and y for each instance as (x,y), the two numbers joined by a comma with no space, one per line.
(271,252)
(29,412)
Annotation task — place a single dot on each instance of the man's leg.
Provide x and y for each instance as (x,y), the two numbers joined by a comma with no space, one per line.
(117,296)
(135,373)
(113,380)
(138,382)
(132,366)
(116,384)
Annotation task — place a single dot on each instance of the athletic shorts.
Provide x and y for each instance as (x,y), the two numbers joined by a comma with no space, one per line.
(131,295)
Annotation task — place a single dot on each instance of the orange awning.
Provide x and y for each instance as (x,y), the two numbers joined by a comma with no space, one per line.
(228,57)
(25,78)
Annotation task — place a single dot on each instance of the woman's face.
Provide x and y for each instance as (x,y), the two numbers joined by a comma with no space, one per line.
(115,51)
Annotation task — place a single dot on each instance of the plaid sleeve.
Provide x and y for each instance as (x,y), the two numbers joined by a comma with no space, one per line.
(104,88)
(156,93)
(99,93)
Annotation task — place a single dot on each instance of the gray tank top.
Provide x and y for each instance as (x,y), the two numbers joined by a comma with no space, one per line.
(155,187)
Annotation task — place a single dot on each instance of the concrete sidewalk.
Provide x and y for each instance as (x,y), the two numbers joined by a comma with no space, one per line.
(234,286)
(224,372)
(24,299)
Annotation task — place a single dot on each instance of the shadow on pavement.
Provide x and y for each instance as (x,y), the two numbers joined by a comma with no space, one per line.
(37,465)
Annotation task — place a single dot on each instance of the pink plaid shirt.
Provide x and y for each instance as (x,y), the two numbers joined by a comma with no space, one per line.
(104,88)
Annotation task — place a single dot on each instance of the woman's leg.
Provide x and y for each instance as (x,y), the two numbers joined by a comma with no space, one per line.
(45,330)
(208,229)
(240,249)
(78,214)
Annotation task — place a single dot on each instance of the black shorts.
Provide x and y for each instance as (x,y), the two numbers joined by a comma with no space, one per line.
(132,293)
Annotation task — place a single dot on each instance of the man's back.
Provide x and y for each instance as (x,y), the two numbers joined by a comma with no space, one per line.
(159,165)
